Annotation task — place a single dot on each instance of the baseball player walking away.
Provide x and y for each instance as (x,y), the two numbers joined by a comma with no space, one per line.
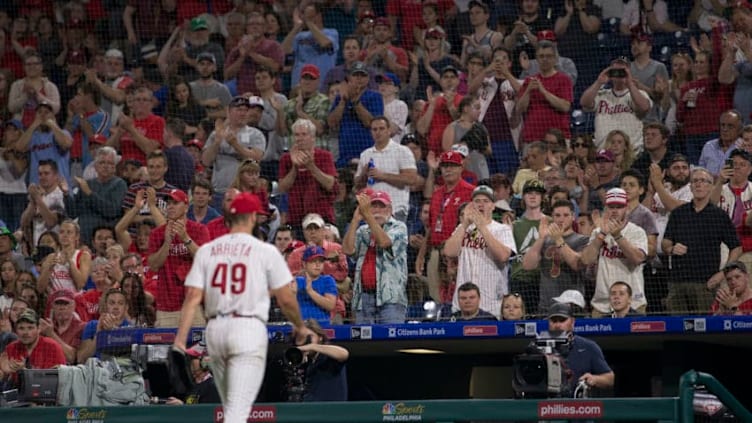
(232,275)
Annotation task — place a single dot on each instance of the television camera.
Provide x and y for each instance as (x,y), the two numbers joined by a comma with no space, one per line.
(542,372)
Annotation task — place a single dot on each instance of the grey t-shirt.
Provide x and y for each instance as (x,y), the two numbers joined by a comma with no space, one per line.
(216,89)
(555,274)
(228,160)
(644,218)
(647,76)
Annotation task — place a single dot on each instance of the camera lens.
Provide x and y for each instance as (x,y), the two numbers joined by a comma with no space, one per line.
(293,356)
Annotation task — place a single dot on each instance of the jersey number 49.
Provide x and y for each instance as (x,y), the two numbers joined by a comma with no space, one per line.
(237,274)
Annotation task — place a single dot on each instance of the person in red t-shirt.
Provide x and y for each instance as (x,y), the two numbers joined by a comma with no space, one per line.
(441,110)
(410,14)
(546,97)
(142,132)
(63,325)
(87,304)
(253,51)
(308,175)
(218,227)
(735,299)
(172,247)
(30,350)
(444,212)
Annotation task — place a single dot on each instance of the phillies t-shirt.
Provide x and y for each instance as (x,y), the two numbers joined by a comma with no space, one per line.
(172,274)
(151,127)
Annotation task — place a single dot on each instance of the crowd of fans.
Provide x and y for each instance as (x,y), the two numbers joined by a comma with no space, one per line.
(404,152)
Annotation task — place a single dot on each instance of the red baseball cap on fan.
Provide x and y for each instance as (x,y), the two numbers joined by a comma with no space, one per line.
(451,157)
(246,203)
(295,244)
(381,197)
(179,195)
(310,70)
(99,139)
(195,143)
(547,35)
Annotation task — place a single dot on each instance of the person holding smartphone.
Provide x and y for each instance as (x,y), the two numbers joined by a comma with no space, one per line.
(732,192)
(618,105)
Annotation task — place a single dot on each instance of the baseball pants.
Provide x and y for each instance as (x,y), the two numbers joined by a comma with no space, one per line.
(237,347)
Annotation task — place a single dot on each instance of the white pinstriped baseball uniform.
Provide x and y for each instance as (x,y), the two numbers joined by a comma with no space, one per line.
(477,265)
(236,272)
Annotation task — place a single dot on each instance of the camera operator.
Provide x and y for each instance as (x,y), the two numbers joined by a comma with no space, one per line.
(204,391)
(585,358)
(326,373)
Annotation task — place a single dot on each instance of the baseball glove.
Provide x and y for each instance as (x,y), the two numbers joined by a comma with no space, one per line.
(476,137)
(179,370)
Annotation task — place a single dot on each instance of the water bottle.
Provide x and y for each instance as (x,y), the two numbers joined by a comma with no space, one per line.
(371,165)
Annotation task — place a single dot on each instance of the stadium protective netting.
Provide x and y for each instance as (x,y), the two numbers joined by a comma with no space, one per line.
(120,74)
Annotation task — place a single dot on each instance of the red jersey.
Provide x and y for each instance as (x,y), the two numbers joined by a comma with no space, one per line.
(445,206)
(87,305)
(541,116)
(217,228)
(441,118)
(151,127)
(170,290)
(47,354)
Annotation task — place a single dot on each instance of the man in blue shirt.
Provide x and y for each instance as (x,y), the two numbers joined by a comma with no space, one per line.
(585,358)
(352,112)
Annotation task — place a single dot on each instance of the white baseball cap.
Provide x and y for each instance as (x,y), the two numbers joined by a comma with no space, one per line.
(313,219)
(462,149)
(571,296)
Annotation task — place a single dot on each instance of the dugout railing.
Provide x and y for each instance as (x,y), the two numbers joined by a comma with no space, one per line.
(674,409)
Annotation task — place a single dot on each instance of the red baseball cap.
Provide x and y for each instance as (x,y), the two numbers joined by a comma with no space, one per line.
(382,21)
(295,244)
(547,35)
(311,70)
(195,143)
(451,157)
(76,57)
(246,203)
(179,195)
(63,294)
(382,197)
(366,15)
(435,32)
(98,139)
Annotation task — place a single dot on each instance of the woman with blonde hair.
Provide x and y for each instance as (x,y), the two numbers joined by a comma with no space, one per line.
(618,142)
(248,179)
(70,266)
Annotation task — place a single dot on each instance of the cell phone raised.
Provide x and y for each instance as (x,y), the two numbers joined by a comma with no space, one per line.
(729,163)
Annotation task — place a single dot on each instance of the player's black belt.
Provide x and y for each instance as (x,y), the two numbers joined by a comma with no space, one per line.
(235,315)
